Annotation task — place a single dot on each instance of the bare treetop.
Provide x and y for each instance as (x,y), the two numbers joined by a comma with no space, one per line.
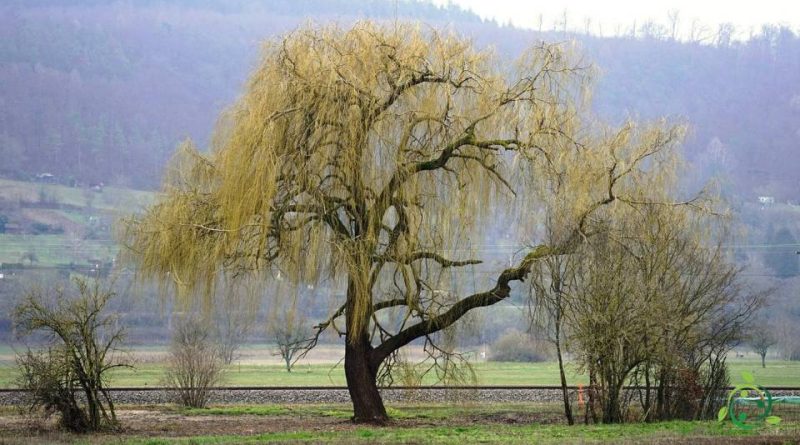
(345,135)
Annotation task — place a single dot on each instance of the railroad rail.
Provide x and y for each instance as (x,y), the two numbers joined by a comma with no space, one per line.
(388,388)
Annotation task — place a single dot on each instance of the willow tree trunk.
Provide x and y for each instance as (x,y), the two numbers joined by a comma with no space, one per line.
(362,385)
(361,372)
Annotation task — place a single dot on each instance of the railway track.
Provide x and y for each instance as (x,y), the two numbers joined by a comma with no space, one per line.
(400,388)
(339,394)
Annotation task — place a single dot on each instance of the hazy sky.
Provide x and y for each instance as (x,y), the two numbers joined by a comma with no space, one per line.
(611,16)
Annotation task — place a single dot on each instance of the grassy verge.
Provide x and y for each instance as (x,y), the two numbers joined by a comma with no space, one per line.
(397,411)
(411,423)
(777,373)
(677,432)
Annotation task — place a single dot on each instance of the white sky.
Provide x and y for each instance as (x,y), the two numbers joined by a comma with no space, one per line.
(612,16)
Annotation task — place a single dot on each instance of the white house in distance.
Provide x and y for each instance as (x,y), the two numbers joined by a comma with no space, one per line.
(766,200)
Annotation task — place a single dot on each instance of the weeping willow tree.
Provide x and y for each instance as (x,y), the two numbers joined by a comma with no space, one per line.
(377,158)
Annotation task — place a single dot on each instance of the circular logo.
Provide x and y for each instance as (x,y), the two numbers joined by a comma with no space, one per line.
(749,406)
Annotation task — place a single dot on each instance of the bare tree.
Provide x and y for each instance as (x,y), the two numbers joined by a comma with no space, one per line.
(761,337)
(653,30)
(725,34)
(698,33)
(290,330)
(234,315)
(607,298)
(547,307)
(81,341)
(372,156)
(606,323)
(674,20)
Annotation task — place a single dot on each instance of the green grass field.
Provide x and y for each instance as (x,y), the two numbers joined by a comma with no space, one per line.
(777,373)
(111,198)
(53,250)
(673,432)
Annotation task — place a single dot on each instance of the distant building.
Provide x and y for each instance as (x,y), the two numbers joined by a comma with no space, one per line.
(46,177)
(14,228)
(766,200)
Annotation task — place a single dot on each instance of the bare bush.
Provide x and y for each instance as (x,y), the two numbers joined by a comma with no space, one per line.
(516,346)
(68,377)
(195,364)
(660,306)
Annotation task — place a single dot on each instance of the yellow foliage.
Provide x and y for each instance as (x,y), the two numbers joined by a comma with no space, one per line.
(368,151)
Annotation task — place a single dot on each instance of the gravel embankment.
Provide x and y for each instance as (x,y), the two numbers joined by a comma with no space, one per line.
(299,396)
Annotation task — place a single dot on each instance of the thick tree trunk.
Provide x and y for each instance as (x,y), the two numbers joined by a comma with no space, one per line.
(362,361)
(361,383)
(361,368)
(763,359)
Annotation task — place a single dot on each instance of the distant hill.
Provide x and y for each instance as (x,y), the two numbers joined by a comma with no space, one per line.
(53,226)
(94,91)
(99,92)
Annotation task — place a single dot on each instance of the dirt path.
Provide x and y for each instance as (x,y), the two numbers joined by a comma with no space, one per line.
(158,422)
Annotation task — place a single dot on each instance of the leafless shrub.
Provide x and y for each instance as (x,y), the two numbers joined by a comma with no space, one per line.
(68,377)
(516,346)
(662,307)
(195,364)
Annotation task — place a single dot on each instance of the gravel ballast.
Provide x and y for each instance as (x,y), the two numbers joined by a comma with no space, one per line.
(339,395)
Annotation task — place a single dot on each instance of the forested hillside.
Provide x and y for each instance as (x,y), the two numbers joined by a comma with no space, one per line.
(98,92)
(102,93)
